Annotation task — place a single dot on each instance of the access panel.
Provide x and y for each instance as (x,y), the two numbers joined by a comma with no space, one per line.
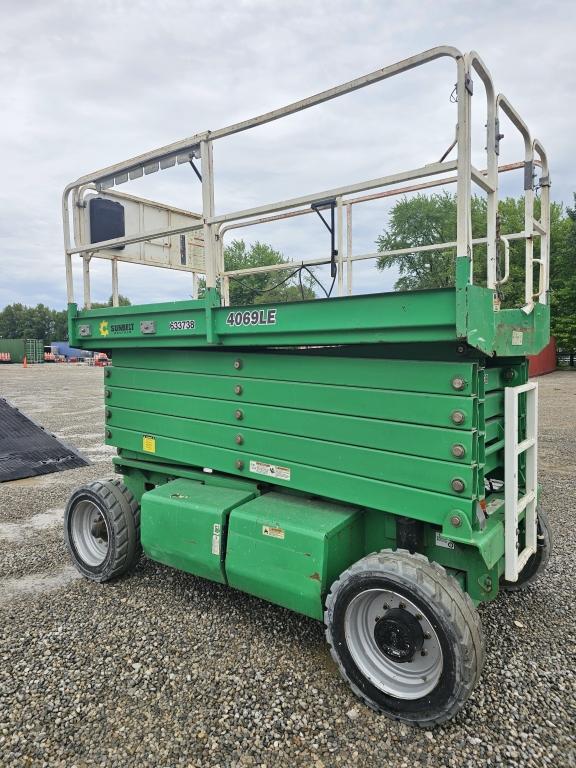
(183,524)
(288,549)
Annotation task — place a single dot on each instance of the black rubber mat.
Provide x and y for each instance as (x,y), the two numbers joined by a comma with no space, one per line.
(26,449)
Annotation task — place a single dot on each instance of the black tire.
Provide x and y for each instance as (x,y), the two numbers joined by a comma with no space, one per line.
(101,530)
(134,508)
(435,601)
(538,562)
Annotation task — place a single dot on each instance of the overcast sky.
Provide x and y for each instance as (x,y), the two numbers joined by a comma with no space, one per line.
(87,84)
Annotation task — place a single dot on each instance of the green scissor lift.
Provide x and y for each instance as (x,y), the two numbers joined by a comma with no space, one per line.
(369,461)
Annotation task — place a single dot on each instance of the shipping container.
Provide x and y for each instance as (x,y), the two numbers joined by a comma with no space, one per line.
(33,349)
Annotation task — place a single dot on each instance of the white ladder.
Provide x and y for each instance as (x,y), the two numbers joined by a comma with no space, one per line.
(513,448)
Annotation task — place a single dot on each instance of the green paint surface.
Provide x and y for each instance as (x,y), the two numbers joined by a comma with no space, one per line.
(289,549)
(183,524)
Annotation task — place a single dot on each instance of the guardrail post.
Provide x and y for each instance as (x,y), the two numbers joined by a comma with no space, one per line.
(86,279)
(340,244)
(464,171)
(115,297)
(349,248)
(210,249)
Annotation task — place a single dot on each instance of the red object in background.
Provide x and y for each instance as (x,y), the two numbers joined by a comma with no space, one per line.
(101,359)
(543,362)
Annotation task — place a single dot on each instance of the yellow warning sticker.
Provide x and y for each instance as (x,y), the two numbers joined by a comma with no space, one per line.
(149,443)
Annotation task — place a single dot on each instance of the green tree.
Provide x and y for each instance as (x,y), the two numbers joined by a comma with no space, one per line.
(19,321)
(563,283)
(60,325)
(123,301)
(426,220)
(263,287)
(431,219)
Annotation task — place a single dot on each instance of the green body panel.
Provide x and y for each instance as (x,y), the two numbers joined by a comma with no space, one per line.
(410,407)
(183,523)
(309,367)
(439,315)
(320,539)
(426,316)
(314,433)
(289,549)
(366,431)
(428,474)
(432,442)
(354,489)
(506,331)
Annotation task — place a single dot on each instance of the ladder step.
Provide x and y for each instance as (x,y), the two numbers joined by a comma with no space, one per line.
(524,556)
(525,445)
(523,501)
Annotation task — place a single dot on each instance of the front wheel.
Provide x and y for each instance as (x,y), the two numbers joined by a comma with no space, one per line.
(405,637)
(102,529)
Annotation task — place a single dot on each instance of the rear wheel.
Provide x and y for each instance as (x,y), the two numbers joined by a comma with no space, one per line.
(405,637)
(101,529)
(539,560)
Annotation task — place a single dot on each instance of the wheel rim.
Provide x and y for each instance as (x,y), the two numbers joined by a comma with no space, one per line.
(90,533)
(393,644)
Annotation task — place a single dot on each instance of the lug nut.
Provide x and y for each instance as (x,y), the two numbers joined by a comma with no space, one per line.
(427,635)
(418,616)
(239,439)
(402,605)
(237,364)
(238,389)
(377,618)
(385,606)
(423,652)
(458,417)
(239,464)
(458,451)
(458,383)
(456,521)
(458,485)
(238,415)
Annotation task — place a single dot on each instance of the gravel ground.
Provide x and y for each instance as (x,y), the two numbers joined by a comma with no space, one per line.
(163,669)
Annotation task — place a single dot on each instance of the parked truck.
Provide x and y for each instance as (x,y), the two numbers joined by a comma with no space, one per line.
(63,351)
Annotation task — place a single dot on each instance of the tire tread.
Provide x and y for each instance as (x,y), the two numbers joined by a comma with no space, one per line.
(449,598)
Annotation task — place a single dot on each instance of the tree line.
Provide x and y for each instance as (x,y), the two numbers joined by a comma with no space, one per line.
(18,321)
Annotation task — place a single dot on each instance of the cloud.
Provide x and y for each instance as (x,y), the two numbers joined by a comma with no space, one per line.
(86,85)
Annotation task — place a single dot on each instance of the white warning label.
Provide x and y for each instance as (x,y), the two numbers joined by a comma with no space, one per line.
(442,542)
(517,338)
(270,470)
(216,539)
